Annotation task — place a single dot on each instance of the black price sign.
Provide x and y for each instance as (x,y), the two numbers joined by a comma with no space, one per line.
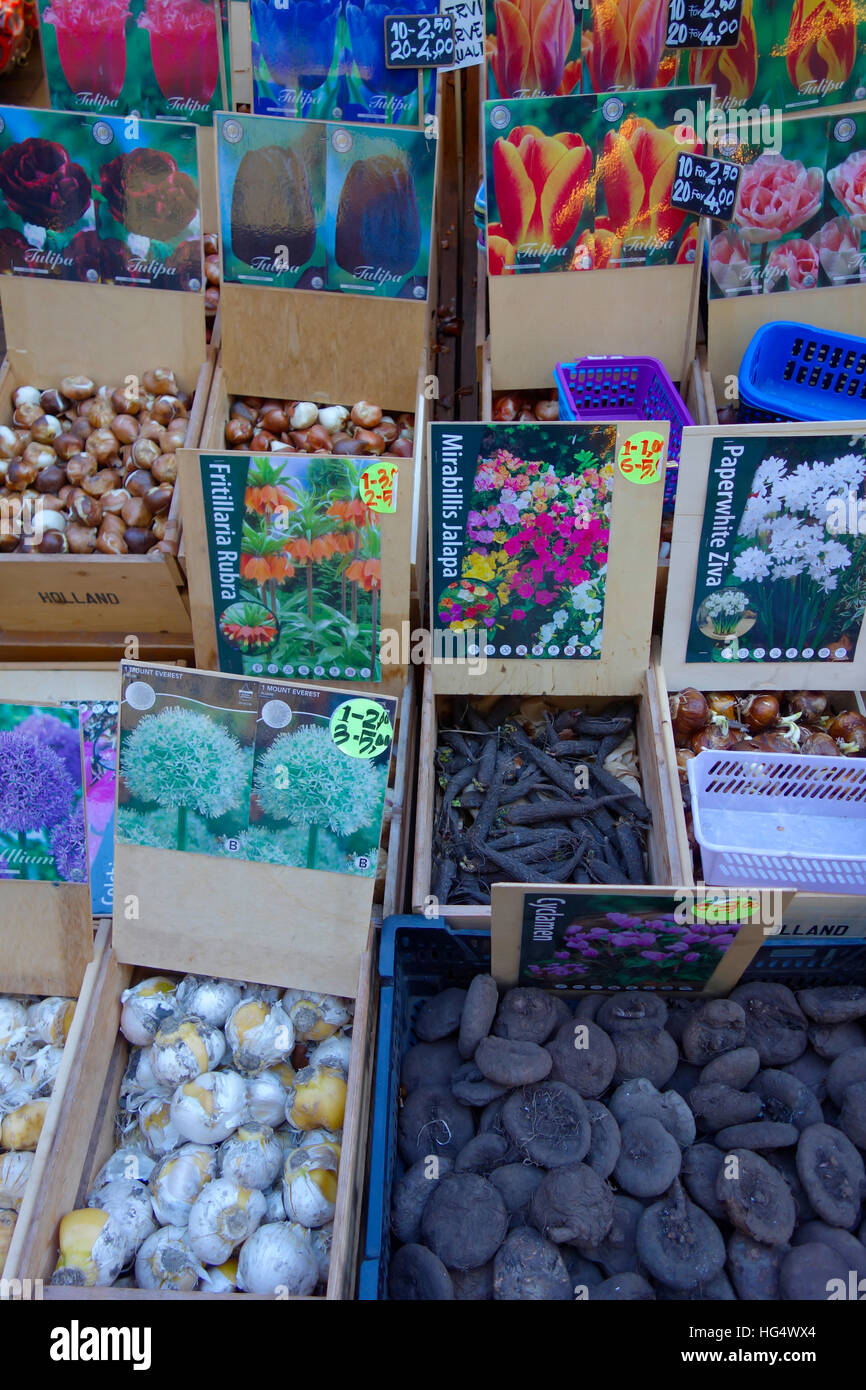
(706,187)
(703,23)
(419,41)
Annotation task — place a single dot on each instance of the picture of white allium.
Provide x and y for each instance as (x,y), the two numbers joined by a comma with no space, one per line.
(305,778)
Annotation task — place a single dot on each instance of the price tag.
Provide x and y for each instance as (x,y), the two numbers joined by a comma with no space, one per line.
(640,457)
(361,728)
(703,23)
(378,487)
(707,187)
(419,41)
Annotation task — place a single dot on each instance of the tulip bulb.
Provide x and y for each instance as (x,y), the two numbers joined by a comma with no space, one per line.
(310,1184)
(259,1035)
(92,1249)
(165,1261)
(317,1099)
(207,998)
(22,1127)
(276,1258)
(127,1201)
(51,1020)
(221,1217)
(15,1171)
(183,1049)
(266,1098)
(178,1181)
(209,1109)
(144,1008)
(251,1157)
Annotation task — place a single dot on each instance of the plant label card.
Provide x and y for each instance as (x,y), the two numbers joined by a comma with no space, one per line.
(527,524)
(295,565)
(43,837)
(621,938)
(707,187)
(323,60)
(263,772)
(98,721)
(101,200)
(768,558)
(153,58)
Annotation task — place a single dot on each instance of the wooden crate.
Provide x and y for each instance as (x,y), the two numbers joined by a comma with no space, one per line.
(835,905)
(665,860)
(81,1024)
(99,601)
(82,1139)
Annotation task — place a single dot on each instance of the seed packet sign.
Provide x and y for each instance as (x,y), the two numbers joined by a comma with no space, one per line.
(158,58)
(703,23)
(652,939)
(42,830)
(768,558)
(100,200)
(258,771)
(295,565)
(98,722)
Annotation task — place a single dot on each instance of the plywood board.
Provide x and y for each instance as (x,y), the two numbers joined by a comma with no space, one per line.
(539,320)
(319,346)
(732,323)
(32,685)
(506,928)
(688,519)
(628,611)
(46,937)
(207,176)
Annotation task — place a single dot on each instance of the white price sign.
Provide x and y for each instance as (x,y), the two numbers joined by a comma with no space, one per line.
(468,16)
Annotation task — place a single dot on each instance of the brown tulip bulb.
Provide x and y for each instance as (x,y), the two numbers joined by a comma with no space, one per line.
(80,428)
(370,441)
(240,410)
(53,543)
(238,433)
(79,467)
(101,414)
(81,539)
(138,482)
(87,510)
(401,449)
(164,469)
(160,382)
(125,401)
(547,410)
(41,454)
(53,403)
(212,270)
(275,420)
(50,479)
(348,446)
(77,388)
(45,429)
(158,499)
(114,500)
(112,522)
(110,543)
(102,445)
(124,428)
(299,439)
(20,474)
(150,429)
(505,408)
(102,482)
(26,415)
(388,428)
(138,539)
(365,415)
(66,444)
(165,409)
(318,438)
(211,300)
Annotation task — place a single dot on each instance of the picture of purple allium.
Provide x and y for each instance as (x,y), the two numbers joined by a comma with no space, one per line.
(47,729)
(5,871)
(69,847)
(36,791)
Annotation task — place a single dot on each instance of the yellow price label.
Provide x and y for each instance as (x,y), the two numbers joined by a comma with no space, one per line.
(361,728)
(378,487)
(640,457)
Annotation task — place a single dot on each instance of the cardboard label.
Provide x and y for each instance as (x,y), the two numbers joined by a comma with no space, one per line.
(639,457)
(468,16)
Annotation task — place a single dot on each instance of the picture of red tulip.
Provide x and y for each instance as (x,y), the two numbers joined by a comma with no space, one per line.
(529,52)
(732,71)
(822,42)
(91,44)
(183,48)
(596,249)
(638,173)
(625,50)
(540,184)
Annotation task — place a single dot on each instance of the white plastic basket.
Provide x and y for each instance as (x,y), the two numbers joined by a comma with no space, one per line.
(780,820)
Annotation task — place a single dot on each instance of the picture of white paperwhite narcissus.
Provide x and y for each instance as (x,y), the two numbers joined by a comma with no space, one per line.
(726,604)
(178,1180)
(277,1258)
(259,1035)
(222,1216)
(251,1157)
(184,759)
(210,1108)
(310,1183)
(93,1249)
(128,1202)
(183,1048)
(165,1261)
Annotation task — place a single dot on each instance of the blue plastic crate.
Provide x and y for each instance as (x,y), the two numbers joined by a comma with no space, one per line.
(792,371)
(417,958)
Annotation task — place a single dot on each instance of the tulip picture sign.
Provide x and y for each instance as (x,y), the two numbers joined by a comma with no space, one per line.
(99,199)
(703,23)
(154,58)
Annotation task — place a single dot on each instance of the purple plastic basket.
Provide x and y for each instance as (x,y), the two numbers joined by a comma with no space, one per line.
(625,388)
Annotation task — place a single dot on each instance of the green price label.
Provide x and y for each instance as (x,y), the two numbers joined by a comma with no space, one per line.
(640,457)
(361,728)
(728,910)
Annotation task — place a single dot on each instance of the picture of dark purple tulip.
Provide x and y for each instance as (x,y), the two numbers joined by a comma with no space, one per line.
(42,185)
(272,206)
(297,40)
(377,219)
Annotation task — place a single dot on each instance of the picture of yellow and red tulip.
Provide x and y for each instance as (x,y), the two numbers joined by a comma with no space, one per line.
(533,48)
(623,46)
(821,43)
(635,181)
(732,71)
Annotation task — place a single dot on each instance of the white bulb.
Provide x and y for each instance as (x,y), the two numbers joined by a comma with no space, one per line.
(275,1259)
(165,1261)
(128,1202)
(251,1157)
(221,1217)
(178,1180)
(209,1109)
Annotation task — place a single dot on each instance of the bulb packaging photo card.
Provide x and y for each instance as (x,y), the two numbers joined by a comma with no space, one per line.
(43,836)
(150,58)
(295,565)
(260,771)
(521,520)
(321,206)
(98,720)
(325,60)
(100,200)
(585,182)
(781,570)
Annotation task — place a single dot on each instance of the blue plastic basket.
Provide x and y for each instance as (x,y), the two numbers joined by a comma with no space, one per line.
(792,371)
(625,388)
(417,958)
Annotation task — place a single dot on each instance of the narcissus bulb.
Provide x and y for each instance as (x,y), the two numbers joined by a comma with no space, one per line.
(13,1020)
(139,1075)
(316,1016)
(165,1261)
(321,1241)
(208,998)
(130,1163)
(222,1216)
(317,1099)
(259,1035)
(251,1157)
(274,1259)
(209,1109)
(44,1068)
(144,1008)
(14,1174)
(266,1098)
(157,1128)
(128,1202)
(92,1249)
(22,1127)
(51,1019)
(178,1180)
(335,1051)
(7,1231)
(310,1184)
(220,1278)
(184,1048)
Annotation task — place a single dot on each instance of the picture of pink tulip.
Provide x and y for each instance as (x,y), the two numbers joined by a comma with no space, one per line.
(729,263)
(848,182)
(796,260)
(838,247)
(777,196)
